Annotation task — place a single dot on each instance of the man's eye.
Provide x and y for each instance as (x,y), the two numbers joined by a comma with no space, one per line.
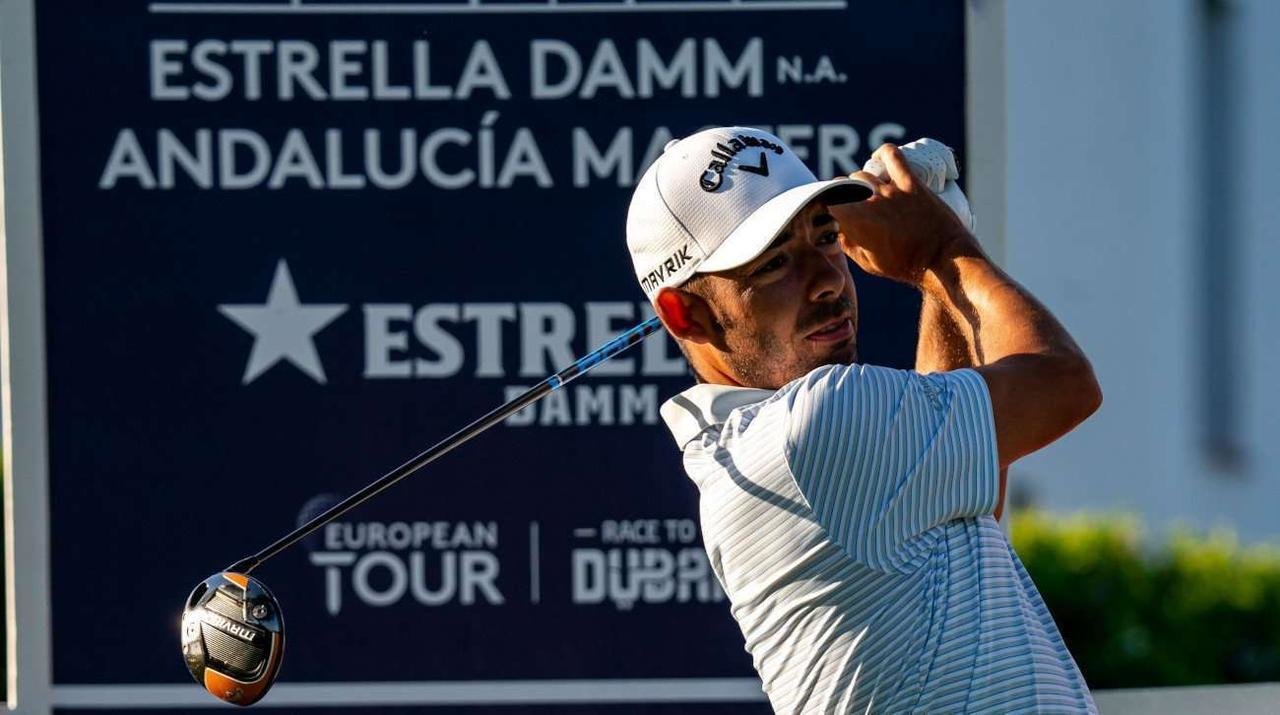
(775,263)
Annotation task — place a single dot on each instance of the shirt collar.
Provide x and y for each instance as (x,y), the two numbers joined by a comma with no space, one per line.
(703,405)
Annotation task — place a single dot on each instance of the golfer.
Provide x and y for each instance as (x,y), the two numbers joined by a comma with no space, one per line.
(850,510)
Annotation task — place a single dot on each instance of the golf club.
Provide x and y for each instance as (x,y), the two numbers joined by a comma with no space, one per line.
(232,627)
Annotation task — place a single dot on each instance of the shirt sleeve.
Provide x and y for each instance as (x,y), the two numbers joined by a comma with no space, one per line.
(884,455)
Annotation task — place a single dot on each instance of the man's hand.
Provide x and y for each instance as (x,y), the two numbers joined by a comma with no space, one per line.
(900,231)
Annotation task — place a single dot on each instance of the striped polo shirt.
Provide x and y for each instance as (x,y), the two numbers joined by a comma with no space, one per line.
(848,518)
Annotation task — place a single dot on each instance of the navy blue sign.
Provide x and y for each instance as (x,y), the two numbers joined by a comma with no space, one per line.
(289,244)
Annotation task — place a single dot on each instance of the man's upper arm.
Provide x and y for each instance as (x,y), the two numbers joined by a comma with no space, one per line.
(882,455)
(1030,409)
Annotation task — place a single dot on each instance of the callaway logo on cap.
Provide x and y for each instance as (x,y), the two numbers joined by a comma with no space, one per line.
(716,200)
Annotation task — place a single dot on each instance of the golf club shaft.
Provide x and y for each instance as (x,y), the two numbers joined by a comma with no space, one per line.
(631,337)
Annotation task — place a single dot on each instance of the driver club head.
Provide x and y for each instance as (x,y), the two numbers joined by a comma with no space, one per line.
(233,637)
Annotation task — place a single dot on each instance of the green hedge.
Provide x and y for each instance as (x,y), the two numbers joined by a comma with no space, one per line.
(1194,610)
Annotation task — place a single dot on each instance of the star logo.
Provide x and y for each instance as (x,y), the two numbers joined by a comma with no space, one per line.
(283,328)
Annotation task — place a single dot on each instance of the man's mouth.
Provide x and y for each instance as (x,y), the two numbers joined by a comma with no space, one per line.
(834,331)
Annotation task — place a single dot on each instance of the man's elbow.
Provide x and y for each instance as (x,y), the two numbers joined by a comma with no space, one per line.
(1084,388)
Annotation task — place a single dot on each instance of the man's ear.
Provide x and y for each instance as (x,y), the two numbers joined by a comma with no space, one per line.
(686,314)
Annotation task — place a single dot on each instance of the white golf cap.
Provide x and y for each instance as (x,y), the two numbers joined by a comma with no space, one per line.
(716,200)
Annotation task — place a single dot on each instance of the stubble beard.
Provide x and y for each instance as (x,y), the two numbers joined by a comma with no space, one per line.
(760,359)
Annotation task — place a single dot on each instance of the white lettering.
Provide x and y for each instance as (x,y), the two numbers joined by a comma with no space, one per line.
(127,161)
(422,87)
(163,66)
(482,71)
(228,141)
(297,65)
(426,325)
(682,69)
(886,132)
(198,166)
(424,594)
(332,562)
(651,575)
(639,400)
(540,51)
(837,143)
(202,60)
(373,159)
(382,87)
(489,318)
(380,340)
(606,70)
(365,590)
(333,164)
(795,136)
(343,66)
(749,68)
(432,170)
(295,160)
(252,52)
(616,159)
(595,405)
(524,159)
(546,330)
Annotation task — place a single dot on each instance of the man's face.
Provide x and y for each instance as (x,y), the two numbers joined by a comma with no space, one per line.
(790,310)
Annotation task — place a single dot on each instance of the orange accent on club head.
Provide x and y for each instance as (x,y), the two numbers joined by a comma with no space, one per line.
(238,579)
(238,692)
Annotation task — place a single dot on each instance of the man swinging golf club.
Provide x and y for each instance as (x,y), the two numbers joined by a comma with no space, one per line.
(850,510)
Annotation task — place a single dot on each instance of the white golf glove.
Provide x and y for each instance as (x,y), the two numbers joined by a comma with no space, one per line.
(933,163)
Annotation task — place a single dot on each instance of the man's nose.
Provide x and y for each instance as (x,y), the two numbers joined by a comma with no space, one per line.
(826,281)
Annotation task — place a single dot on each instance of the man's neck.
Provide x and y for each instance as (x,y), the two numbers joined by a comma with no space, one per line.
(712,374)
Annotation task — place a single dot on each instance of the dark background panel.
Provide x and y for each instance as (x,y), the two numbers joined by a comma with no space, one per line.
(165,467)
(666,709)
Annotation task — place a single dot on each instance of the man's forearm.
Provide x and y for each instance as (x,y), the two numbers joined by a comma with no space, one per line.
(998,317)
(1038,377)
(944,345)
